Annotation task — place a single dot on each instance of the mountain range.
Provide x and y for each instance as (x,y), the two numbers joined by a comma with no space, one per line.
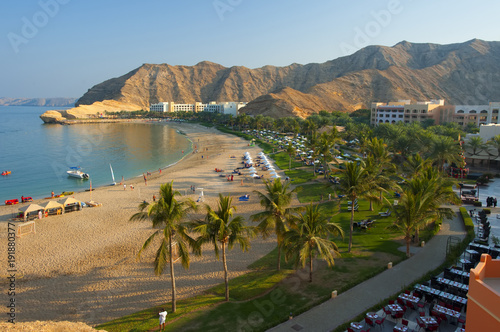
(461,73)
(49,102)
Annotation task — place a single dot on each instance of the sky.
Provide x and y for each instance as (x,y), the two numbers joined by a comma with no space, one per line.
(61,48)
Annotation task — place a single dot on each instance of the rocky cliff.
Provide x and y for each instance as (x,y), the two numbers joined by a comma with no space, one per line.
(464,73)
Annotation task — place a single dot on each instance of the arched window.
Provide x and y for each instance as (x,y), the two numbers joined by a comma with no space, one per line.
(460,111)
(472,111)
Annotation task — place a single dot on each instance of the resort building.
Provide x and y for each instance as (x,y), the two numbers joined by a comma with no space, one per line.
(229,107)
(408,112)
(483,311)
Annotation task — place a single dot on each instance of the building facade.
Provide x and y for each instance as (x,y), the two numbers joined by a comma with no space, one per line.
(483,310)
(407,112)
(229,107)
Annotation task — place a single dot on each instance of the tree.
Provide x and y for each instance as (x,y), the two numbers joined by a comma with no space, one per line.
(290,150)
(220,228)
(355,181)
(444,149)
(166,214)
(310,237)
(276,202)
(475,145)
(421,203)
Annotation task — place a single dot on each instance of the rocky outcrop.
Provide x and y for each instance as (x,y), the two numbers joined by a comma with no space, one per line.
(87,111)
(465,73)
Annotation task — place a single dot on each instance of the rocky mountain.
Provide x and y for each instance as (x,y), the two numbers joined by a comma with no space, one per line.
(463,73)
(49,102)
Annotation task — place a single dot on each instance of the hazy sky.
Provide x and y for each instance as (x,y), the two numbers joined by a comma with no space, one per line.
(61,48)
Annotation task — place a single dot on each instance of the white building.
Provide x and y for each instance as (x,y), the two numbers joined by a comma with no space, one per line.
(229,107)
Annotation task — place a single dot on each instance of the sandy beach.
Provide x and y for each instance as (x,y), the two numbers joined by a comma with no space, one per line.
(82,266)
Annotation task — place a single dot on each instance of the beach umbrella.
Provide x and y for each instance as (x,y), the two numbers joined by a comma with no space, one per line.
(316,161)
(252,171)
(275,176)
(251,168)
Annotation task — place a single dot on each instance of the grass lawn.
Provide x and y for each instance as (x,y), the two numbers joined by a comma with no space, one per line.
(314,192)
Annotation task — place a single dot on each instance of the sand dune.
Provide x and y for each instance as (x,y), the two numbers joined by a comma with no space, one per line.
(82,266)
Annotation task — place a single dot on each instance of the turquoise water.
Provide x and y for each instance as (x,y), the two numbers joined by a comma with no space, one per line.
(38,155)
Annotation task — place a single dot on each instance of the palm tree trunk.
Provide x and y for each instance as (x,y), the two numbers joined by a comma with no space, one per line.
(310,267)
(172,277)
(290,163)
(416,236)
(225,270)
(279,256)
(351,226)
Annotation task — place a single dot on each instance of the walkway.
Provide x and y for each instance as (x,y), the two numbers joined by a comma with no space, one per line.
(345,307)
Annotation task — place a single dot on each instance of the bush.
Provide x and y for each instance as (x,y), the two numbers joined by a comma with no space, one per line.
(468,223)
(477,203)
(487,211)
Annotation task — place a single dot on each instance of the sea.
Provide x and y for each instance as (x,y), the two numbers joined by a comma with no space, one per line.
(38,155)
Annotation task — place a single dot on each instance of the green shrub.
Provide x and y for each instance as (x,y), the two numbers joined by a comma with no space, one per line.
(487,211)
(477,203)
(469,224)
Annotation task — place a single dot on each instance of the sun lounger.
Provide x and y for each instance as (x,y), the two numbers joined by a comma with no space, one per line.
(385,214)
(244,198)
(349,208)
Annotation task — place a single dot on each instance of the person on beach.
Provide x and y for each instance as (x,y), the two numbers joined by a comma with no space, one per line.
(163,317)
(159,170)
(154,198)
(131,187)
(145,179)
(52,194)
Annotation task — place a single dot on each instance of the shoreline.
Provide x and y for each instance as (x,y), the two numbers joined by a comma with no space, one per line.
(82,266)
(43,197)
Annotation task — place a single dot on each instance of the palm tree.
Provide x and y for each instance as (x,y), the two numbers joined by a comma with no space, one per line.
(421,203)
(310,237)
(290,150)
(220,228)
(166,214)
(356,181)
(444,149)
(475,145)
(276,202)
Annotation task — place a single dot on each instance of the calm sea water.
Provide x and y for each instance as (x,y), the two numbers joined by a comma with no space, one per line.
(38,155)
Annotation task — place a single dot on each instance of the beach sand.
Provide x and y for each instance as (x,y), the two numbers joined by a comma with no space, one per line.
(82,266)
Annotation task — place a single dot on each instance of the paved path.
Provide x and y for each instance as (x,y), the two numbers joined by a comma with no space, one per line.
(334,312)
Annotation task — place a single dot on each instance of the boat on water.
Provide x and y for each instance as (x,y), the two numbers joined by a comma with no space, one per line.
(6,172)
(112,176)
(76,172)
(12,201)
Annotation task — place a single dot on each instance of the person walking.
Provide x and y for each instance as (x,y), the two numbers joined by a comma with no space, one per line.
(494,202)
(145,179)
(163,317)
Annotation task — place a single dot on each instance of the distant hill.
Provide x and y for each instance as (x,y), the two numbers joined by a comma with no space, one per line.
(462,73)
(49,102)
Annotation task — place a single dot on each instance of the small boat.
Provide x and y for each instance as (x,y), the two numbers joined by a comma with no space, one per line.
(12,201)
(66,193)
(6,172)
(27,199)
(76,172)
(112,176)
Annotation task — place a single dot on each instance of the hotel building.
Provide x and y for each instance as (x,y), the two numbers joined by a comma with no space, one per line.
(229,107)
(483,310)
(407,112)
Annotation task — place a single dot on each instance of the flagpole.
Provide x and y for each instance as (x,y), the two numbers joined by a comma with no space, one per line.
(90,190)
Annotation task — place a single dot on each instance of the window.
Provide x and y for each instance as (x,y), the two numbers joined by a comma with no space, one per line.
(460,111)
